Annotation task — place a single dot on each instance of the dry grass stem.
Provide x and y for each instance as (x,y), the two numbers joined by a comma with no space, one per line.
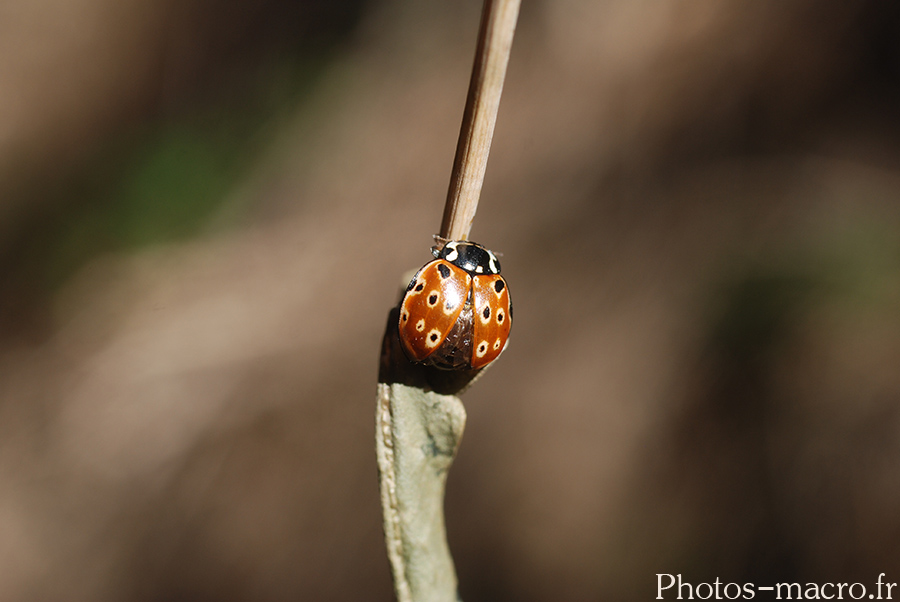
(498,24)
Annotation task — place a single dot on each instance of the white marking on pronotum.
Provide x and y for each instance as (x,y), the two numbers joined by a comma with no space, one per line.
(492,261)
(453,254)
(479,269)
(433,338)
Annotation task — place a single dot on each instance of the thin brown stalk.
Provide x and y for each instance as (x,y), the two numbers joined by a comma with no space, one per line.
(495,36)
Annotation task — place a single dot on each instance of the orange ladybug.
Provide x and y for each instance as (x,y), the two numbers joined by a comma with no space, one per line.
(456,313)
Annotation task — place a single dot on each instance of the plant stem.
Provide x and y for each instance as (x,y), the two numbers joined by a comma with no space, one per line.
(495,36)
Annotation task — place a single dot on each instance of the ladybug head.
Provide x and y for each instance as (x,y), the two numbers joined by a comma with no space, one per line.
(469,256)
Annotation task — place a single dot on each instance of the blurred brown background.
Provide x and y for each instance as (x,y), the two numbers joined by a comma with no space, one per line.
(205,211)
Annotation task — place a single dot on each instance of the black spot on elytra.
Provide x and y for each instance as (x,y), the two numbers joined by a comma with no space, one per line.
(432,299)
(434,337)
(499,285)
(482,347)
(500,317)
(405,316)
(444,270)
(486,313)
(449,306)
(420,287)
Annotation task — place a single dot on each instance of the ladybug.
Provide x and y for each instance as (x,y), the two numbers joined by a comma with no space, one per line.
(456,312)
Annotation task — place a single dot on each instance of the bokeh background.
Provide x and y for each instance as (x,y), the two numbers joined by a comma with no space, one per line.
(206,208)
